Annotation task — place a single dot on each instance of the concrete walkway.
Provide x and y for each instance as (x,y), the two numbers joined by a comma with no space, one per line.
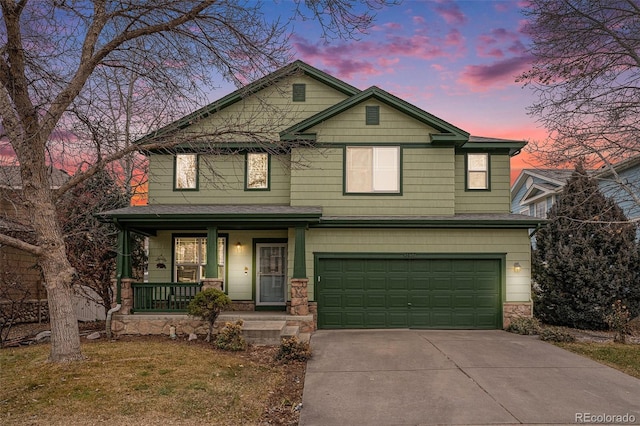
(420,377)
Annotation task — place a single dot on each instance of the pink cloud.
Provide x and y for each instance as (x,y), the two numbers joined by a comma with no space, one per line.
(480,77)
(394,26)
(385,62)
(451,13)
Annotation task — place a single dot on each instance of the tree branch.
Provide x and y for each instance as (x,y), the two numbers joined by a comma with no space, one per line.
(21,245)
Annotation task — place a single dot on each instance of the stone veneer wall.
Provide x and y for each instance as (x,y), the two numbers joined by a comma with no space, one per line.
(25,312)
(157,325)
(513,310)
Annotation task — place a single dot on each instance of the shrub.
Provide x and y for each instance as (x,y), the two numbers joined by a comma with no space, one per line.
(524,325)
(618,320)
(555,334)
(230,337)
(292,349)
(207,305)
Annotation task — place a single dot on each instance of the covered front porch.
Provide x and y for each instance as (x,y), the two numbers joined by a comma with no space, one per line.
(258,259)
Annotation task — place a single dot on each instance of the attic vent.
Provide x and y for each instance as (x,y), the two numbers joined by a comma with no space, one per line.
(372,115)
(299,92)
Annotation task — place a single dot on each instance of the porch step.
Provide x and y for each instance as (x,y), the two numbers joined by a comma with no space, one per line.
(290,331)
(263,332)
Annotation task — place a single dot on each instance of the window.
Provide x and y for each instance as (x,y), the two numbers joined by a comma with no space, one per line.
(299,92)
(372,169)
(186,171)
(477,171)
(372,114)
(190,257)
(541,209)
(257,171)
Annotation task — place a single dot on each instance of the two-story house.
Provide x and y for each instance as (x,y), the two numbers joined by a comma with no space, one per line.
(363,208)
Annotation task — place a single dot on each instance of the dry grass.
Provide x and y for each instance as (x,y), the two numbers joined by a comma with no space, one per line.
(625,358)
(140,381)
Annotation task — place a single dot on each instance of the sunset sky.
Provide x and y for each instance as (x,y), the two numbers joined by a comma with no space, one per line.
(455,59)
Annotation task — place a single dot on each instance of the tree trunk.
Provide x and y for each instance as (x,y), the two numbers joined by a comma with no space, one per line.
(58,275)
(56,269)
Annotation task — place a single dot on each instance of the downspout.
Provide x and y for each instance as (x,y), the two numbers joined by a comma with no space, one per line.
(119,268)
(108,321)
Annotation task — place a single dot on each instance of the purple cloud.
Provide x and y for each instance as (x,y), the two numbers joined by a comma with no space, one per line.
(451,13)
(497,41)
(502,73)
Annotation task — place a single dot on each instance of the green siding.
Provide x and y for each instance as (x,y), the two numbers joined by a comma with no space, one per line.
(427,184)
(512,242)
(497,200)
(271,110)
(350,127)
(221,182)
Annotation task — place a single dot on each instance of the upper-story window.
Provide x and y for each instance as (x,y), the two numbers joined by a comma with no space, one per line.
(372,115)
(478,171)
(299,92)
(257,171)
(372,169)
(541,209)
(186,172)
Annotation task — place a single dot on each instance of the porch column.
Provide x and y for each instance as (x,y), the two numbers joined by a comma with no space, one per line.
(299,262)
(299,281)
(211,279)
(123,262)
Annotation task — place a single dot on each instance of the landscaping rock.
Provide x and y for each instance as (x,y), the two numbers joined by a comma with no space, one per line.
(43,336)
(93,336)
(193,336)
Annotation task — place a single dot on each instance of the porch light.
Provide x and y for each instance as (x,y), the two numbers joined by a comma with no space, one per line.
(161,262)
(238,247)
(517,267)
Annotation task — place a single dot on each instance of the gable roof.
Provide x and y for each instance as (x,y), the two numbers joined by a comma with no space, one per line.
(554,177)
(619,167)
(10,177)
(251,88)
(449,132)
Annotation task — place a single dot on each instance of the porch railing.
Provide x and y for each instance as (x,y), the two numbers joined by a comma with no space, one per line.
(163,297)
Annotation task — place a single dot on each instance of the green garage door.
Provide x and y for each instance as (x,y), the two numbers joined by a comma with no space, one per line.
(401,293)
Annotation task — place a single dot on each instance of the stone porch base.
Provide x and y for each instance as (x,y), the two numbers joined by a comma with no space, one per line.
(159,324)
(511,310)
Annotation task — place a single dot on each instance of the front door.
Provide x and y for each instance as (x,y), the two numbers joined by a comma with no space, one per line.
(271,274)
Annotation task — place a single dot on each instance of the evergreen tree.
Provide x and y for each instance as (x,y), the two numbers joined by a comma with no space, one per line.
(585,259)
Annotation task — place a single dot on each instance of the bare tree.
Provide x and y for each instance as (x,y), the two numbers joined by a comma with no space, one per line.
(53,56)
(586,74)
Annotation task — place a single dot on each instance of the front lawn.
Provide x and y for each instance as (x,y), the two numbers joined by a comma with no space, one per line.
(151,381)
(625,358)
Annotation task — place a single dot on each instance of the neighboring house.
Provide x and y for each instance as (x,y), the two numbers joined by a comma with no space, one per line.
(20,277)
(535,190)
(22,292)
(367,211)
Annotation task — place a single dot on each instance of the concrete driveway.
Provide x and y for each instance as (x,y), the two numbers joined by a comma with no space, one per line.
(416,377)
